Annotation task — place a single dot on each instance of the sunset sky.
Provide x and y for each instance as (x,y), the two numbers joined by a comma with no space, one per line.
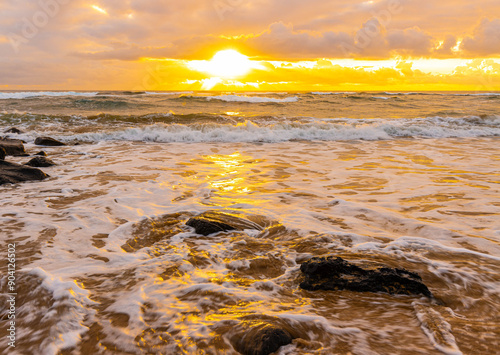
(275,45)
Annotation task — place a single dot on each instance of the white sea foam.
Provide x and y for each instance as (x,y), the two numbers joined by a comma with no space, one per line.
(337,130)
(70,307)
(299,184)
(437,329)
(28,94)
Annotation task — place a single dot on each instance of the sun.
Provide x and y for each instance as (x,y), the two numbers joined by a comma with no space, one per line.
(226,64)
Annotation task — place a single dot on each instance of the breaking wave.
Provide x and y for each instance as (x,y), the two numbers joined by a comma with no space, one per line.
(30,94)
(245,98)
(333,130)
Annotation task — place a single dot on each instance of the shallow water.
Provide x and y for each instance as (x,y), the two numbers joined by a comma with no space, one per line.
(106,264)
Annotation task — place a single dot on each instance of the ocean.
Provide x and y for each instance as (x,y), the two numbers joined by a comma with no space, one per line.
(106,265)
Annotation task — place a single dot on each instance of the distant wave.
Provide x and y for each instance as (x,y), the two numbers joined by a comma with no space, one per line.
(324,130)
(332,93)
(106,103)
(404,93)
(478,94)
(251,99)
(168,92)
(28,94)
(438,93)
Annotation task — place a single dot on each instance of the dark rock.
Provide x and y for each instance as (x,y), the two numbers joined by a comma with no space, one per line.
(11,173)
(12,146)
(262,339)
(332,274)
(41,153)
(205,227)
(47,141)
(213,222)
(40,162)
(2,153)
(13,130)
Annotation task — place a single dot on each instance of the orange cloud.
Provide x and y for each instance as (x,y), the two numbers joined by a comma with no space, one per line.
(486,39)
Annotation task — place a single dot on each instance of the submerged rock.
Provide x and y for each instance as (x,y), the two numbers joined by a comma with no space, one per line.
(41,153)
(11,173)
(262,339)
(214,221)
(13,130)
(2,153)
(47,141)
(332,274)
(40,162)
(12,146)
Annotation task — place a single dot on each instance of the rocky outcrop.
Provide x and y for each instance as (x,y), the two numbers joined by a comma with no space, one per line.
(47,141)
(2,153)
(11,173)
(40,162)
(13,130)
(332,274)
(12,146)
(261,339)
(41,153)
(214,221)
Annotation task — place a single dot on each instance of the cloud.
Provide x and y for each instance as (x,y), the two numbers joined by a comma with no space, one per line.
(127,53)
(411,41)
(79,45)
(445,48)
(485,40)
(370,41)
(281,40)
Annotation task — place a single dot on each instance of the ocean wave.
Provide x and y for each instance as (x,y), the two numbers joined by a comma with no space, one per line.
(101,104)
(30,94)
(249,99)
(439,93)
(477,94)
(404,93)
(121,93)
(332,93)
(168,92)
(337,130)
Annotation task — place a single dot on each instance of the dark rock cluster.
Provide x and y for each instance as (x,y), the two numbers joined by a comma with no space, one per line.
(40,162)
(213,222)
(262,339)
(47,141)
(13,147)
(333,274)
(13,130)
(11,173)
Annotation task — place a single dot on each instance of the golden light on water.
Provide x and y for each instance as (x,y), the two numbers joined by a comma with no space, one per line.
(230,169)
(230,178)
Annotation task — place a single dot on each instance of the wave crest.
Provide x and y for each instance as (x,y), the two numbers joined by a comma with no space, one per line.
(325,130)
